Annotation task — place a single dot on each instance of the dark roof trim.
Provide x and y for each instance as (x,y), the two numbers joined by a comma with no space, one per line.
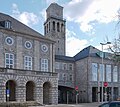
(64,58)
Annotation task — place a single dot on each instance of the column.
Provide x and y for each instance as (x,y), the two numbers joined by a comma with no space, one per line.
(38,94)
(20,93)
(1,50)
(19,57)
(54,94)
(2,93)
(52,61)
(36,55)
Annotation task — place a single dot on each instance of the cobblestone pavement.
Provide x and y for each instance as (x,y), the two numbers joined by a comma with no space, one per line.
(72,105)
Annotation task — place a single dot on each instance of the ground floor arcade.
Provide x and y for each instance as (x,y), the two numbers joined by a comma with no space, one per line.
(18,87)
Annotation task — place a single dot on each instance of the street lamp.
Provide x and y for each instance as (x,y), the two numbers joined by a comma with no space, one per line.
(103,69)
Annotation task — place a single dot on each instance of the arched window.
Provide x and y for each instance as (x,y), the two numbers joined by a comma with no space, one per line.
(58,27)
(49,26)
(53,25)
(10,90)
(47,96)
(45,30)
(62,27)
(30,87)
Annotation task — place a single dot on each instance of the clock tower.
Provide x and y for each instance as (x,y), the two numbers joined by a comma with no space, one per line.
(54,27)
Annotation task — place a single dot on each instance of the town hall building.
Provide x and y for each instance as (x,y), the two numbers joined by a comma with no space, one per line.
(34,67)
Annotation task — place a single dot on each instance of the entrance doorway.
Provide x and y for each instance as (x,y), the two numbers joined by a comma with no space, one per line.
(94,94)
(30,91)
(10,90)
(46,93)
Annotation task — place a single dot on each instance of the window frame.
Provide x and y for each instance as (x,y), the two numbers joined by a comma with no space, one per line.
(108,73)
(8,24)
(44,65)
(28,63)
(115,73)
(94,72)
(9,60)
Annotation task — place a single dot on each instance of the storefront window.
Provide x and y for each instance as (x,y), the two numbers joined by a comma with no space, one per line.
(108,73)
(115,74)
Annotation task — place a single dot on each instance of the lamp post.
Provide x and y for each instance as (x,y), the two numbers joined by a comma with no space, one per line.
(103,69)
(98,84)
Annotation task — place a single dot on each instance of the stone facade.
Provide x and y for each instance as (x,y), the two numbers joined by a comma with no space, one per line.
(88,77)
(21,78)
(26,64)
(36,79)
(55,27)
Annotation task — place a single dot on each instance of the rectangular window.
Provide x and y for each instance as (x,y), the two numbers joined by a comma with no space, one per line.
(94,71)
(115,74)
(108,73)
(28,62)
(64,66)
(64,77)
(57,65)
(9,60)
(59,76)
(71,77)
(102,72)
(44,65)
(70,66)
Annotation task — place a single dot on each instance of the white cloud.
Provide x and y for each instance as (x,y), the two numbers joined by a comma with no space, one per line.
(50,1)
(90,12)
(25,17)
(43,13)
(73,45)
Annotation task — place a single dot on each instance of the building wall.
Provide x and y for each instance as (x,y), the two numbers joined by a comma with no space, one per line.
(42,48)
(18,48)
(82,79)
(85,83)
(66,76)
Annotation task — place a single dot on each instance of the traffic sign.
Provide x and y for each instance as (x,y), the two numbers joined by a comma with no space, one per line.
(105,84)
(7,91)
(76,88)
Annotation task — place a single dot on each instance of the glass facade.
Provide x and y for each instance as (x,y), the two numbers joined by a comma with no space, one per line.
(108,73)
(115,74)
(94,71)
(102,72)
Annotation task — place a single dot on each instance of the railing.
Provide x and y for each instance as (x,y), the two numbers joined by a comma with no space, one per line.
(26,72)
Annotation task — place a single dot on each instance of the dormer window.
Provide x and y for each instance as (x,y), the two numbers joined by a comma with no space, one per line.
(7,24)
